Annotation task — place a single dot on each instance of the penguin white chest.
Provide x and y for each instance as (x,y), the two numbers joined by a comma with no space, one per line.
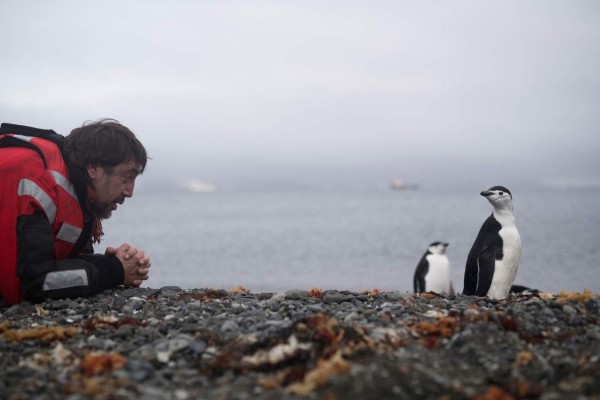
(438,277)
(506,268)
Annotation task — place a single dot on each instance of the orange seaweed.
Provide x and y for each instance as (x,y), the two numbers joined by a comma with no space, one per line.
(97,363)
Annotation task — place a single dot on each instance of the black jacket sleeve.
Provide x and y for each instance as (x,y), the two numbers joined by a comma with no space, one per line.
(43,277)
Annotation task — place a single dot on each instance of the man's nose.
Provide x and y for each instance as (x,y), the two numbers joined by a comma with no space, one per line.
(128,192)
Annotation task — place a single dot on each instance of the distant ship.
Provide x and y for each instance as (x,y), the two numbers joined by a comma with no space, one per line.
(399,184)
(196,186)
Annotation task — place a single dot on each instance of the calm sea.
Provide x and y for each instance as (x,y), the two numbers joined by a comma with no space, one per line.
(275,241)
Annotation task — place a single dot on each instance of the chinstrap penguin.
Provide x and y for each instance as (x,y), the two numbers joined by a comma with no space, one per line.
(433,271)
(494,258)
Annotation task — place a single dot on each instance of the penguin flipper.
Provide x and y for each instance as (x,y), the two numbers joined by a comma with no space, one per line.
(471,272)
(486,265)
(419,279)
(478,256)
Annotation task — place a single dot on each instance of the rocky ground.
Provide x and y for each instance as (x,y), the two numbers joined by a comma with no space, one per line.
(170,343)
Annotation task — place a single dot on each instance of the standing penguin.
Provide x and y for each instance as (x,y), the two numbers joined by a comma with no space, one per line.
(494,258)
(433,271)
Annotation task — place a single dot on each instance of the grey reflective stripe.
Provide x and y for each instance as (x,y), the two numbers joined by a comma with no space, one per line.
(65,279)
(30,188)
(68,233)
(25,138)
(64,183)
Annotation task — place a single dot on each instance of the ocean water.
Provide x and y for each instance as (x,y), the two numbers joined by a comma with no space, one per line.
(273,241)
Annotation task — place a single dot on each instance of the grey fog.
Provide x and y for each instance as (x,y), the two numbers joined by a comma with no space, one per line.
(314,94)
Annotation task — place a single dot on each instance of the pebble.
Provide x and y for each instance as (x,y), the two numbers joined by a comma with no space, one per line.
(333,296)
(171,343)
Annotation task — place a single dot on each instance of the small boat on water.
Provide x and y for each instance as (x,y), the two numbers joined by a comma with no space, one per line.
(196,186)
(399,184)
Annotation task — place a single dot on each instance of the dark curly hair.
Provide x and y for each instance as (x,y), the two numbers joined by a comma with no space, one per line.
(104,142)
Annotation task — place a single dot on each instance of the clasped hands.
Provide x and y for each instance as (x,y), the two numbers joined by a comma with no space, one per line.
(135,263)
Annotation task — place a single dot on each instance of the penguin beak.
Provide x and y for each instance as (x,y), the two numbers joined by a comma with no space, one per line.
(486,193)
(446,244)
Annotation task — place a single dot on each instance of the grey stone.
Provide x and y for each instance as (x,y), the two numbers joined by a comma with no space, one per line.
(333,296)
(198,347)
(171,289)
(179,342)
(230,326)
(118,302)
(397,296)
(569,310)
(296,294)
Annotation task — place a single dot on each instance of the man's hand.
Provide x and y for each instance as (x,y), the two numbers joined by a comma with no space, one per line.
(135,263)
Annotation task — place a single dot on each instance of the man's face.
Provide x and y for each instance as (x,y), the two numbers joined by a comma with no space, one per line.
(111,189)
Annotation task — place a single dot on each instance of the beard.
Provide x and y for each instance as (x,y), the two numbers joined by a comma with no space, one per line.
(103,211)
(101,201)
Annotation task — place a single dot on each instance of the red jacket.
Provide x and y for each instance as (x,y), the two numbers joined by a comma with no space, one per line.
(42,232)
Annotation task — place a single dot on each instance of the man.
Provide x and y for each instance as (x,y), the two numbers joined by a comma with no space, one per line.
(54,192)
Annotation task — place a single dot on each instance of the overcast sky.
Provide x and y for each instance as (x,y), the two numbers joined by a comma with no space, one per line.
(318,92)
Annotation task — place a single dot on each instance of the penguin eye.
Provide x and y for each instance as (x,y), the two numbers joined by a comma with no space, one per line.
(501,193)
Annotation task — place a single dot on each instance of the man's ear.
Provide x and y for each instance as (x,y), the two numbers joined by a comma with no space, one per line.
(92,171)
